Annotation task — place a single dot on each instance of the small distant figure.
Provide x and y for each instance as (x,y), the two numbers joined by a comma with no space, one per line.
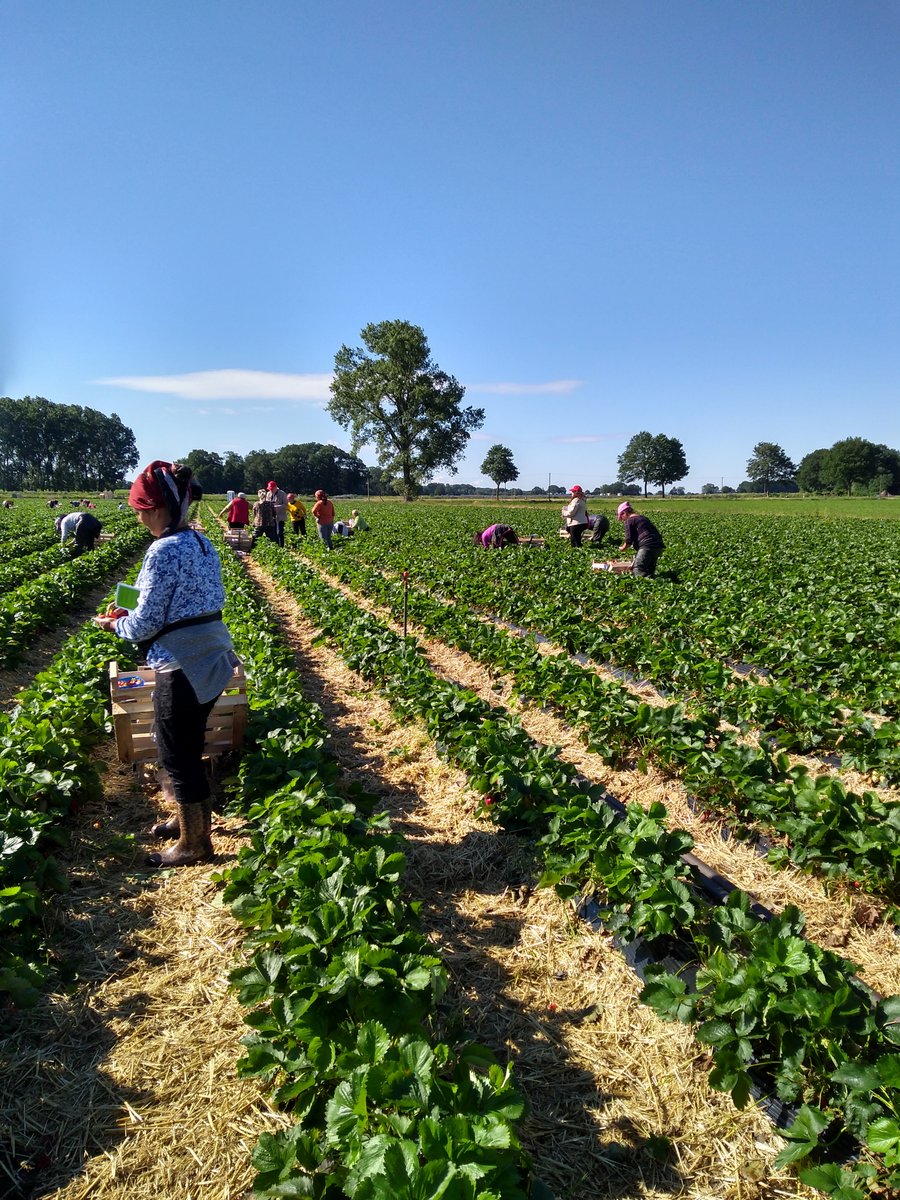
(297,514)
(82,526)
(7,503)
(237,510)
(53,504)
(264,524)
(495,537)
(323,512)
(575,513)
(280,501)
(643,536)
(229,496)
(357,523)
(75,503)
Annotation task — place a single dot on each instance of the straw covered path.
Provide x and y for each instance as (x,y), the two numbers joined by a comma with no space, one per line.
(124,1085)
(605,1080)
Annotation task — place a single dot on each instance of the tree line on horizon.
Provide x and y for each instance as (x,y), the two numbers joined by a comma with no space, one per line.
(391,396)
(46,446)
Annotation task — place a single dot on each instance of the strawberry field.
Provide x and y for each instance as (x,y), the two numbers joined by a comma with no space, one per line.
(693,780)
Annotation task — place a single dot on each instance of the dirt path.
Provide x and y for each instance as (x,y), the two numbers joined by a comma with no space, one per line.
(602,1075)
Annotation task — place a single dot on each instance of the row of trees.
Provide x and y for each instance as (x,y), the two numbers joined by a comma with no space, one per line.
(389,395)
(298,467)
(57,447)
(848,464)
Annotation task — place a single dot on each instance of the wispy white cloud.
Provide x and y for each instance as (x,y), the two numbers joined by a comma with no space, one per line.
(555,387)
(230,385)
(480,437)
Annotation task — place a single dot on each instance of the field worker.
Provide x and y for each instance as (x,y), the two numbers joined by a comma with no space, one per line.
(264,518)
(495,537)
(357,523)
(280,501)
(238,511)
(575,513)
(178,623)
(323,511)
(82,526)
(644,537)
(599,528)
(297,514)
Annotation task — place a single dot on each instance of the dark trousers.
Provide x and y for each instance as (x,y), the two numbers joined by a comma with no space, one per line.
(279,532)
(299,526)
(180,733)
(576,533)
(267,531)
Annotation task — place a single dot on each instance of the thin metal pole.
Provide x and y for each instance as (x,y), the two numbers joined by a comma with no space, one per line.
(405,594)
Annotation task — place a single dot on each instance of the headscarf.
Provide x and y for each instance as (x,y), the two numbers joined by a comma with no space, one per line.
(320,495)
(156,487)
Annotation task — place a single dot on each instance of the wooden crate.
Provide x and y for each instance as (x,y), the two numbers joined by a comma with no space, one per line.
(238,539)
(531,539)
(132,710)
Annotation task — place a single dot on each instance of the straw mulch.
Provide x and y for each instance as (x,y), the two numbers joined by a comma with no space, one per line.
(125,1085)
(850,924)
(602,1076)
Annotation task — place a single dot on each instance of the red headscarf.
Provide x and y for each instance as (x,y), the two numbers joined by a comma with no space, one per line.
(156,488)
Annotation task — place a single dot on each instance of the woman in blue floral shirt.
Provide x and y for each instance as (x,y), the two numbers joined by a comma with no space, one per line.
(178,623)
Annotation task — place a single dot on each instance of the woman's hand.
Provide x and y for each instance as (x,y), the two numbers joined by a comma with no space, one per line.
(108,620)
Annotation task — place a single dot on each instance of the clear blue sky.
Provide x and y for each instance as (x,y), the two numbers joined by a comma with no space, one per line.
(674,215)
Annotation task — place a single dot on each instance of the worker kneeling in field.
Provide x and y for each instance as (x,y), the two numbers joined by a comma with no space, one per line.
(646,540)
(178,624)
(496,537)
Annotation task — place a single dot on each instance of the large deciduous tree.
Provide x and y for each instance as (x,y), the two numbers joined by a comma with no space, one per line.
(653,458)
(498,465)
(396,399)
(852,460)
(812,472)
(769,464)
(671,464)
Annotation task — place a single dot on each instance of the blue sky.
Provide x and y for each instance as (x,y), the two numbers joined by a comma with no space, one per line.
(677,215)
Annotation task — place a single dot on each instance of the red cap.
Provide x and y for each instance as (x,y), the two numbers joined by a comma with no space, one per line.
(272,486)
(576,489)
